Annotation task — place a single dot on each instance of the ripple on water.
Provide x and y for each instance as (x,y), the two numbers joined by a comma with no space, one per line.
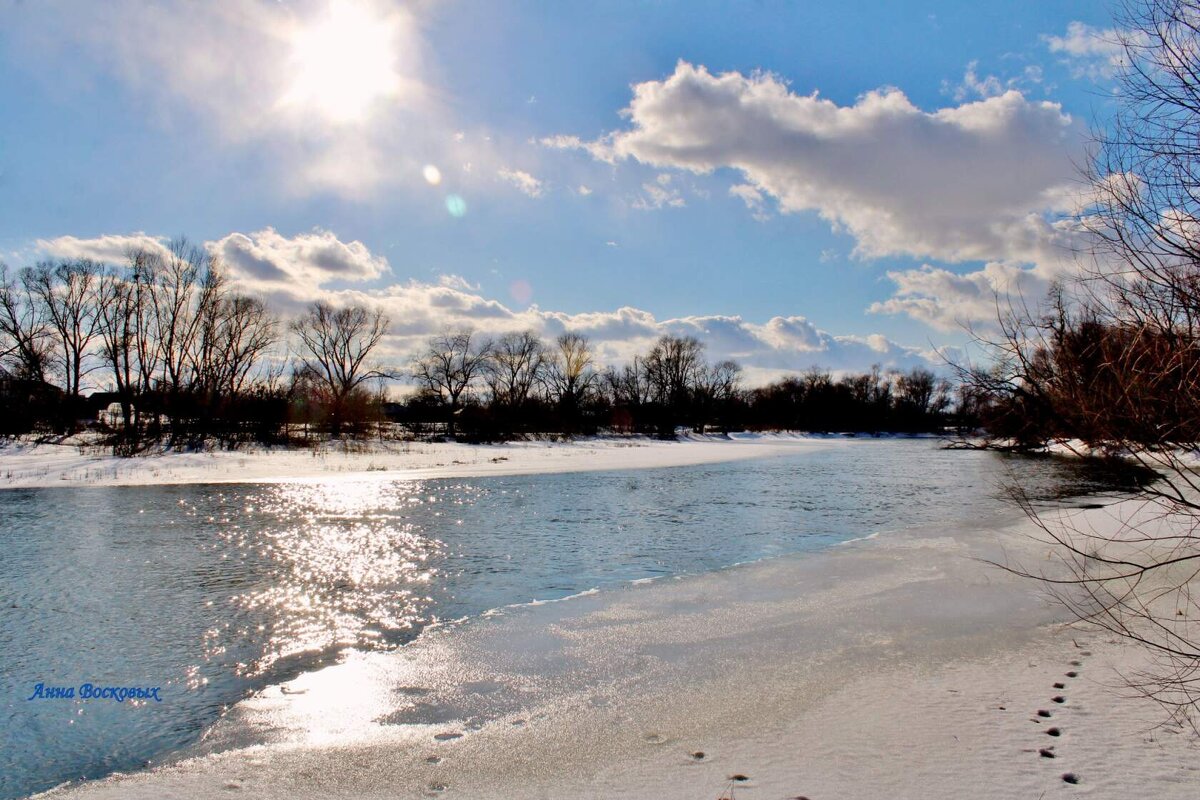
(212,592)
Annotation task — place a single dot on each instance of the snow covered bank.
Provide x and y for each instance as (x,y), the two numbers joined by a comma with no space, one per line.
(897,667)
(27,465)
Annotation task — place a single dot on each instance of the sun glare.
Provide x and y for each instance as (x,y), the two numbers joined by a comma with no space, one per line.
(343,63)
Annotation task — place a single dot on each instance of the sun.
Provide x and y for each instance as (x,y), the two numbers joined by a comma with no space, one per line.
(343,63)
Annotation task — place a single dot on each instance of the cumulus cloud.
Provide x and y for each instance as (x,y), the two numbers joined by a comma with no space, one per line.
(955,184)
(948,301)
(290,272)
(1090,52)
(297,267)
(990,179)
(780,346)
(523,181)
(108,249)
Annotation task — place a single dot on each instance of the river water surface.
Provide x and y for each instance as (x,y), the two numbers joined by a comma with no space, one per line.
(211,592)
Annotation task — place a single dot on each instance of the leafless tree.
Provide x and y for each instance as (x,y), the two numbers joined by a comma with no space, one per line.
(450,367)
(180,274)
(922,391)
(65,291)
(869,388)
(128,341)
(570,372)
(236,332)
(514,368)
(25,345)
(673,367)
(630,384)
(336,346)
(1114,362)
(716,385)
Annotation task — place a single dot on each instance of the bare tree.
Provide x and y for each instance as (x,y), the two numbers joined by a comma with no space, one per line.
(180,273)
(515,366)
(24,339)
(336,345)
(629,385)
(66,293)
(673,369)
(716,385)
(570,374)
(128,341)
(450,366)
(1116,364)
(673,366)
(921,391)
(235,333)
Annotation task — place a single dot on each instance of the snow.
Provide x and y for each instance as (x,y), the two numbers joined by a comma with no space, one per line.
(902,666)
(24,465)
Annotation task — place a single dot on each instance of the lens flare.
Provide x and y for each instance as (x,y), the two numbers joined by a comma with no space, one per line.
(456,206)
(433,175)
(521,291)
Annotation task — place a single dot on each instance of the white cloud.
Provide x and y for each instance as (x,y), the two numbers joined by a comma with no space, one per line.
(562,142)
(769,350)
(949,301)
(954,184)
(975,86)
(295,268)
(1090,52)
(992,180)
(659,193)
(523,181)
(459,282)
(597,150)
(753,199)
(108,249)
(290,272)
(779,346)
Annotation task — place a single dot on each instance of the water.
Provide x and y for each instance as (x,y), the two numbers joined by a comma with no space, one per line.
(213,591)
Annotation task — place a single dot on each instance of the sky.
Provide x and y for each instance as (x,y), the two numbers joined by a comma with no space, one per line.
(797,184)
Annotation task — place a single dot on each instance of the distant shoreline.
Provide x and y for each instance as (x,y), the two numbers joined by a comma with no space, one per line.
(25,465)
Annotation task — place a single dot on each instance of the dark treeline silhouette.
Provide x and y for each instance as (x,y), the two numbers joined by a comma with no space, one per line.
(184,360)
(1079,372)
(518,384)
(912,402)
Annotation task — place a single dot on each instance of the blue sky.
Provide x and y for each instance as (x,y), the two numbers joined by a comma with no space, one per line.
(717,198)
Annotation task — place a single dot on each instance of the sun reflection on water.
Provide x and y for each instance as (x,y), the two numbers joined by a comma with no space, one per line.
(341,564)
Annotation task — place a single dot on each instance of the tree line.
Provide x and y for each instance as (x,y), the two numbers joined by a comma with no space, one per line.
(185,358)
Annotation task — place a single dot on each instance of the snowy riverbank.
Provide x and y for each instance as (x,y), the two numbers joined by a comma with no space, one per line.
(28,465)
(901,666)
